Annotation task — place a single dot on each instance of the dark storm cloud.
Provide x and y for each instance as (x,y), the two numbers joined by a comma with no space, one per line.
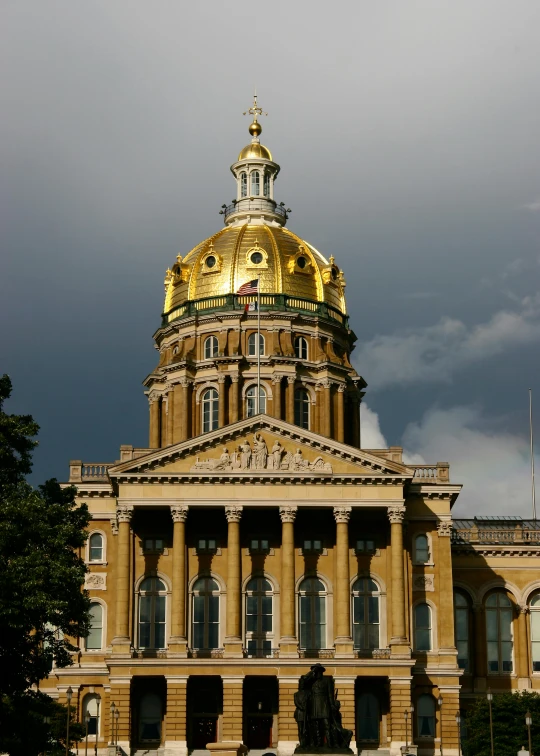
(408,139)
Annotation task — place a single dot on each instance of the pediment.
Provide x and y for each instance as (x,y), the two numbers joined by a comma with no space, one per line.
(260,447)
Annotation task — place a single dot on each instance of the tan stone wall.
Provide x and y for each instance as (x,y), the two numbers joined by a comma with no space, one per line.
(232,711)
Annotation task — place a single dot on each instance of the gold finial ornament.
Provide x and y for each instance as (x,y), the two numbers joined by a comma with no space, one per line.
(255,127)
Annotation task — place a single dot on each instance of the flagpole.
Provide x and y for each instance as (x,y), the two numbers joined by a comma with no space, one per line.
(532,457)
(258,346)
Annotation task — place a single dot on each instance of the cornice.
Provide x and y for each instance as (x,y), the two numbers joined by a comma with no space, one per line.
(255,502)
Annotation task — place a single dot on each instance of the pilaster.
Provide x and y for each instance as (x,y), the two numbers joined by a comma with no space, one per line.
(342,611)
(232,708)
(121,643)
(287,727)
(175,726)
(400,702)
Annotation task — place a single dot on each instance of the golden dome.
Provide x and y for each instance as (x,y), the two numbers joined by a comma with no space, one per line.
(255,150)
(283,262)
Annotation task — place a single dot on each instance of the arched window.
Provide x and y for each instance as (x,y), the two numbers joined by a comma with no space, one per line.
(152,605)
(210,347)
(422,627)
(461,624)
(251,401)
(312,614)
(205,617)
(252,344)
(95,548)
(300,348)
(91,706)
(266,185)
(365,614)
(368,718)
(426,716)
(94,639)
(259,624)
(210,410)
(243,184)
(301,408)
(150,715)
(535,632)
(421,549)
(499,632)
(255,183)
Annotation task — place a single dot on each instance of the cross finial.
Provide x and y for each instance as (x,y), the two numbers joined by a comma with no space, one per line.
(255,110)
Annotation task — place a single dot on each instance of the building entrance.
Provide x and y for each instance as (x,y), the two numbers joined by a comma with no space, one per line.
(260,707)
(148,696)
(371,704)
(204,705)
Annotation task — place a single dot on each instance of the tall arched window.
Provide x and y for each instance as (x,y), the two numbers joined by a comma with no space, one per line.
(259,624)
(150,715)
(255,183)
(251,401)
(94,639)
(252,344)
(422,627)
(152,606)
(205,616)
(210,347)
(535,632)
(365,614)
(266,185)
(243,184)
(210,410)
(95,548)
(91,705)
(461,625)
(421,549)
(426,716)
(300,348)
(301,408)
(499,632)
(312,614)
(368,718)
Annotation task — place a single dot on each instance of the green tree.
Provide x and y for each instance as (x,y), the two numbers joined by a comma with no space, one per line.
(509,729)
(42,606)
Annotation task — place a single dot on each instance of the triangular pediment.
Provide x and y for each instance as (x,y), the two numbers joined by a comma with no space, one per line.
(260,446)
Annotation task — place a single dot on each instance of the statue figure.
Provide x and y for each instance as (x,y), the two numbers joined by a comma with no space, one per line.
(245,455)
(277,450)
(224,461)
(300,701)
(298,461)
(260,452)
(319,706)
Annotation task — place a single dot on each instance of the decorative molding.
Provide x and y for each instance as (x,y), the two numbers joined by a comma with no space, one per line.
(114,526)
(342,514)
(233,513)
(288,514)
(444,528)
(396,514)
(124,513)
(424,583)
(95,581)
(179,513)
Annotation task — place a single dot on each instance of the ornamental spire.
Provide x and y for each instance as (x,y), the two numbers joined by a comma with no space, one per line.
(255,110)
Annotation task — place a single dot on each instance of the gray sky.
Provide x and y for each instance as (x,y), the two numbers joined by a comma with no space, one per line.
(409,140)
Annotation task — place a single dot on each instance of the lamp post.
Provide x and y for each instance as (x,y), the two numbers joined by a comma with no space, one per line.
(86,722)
(489,697)
(98,702)
(458,722)
(116,716)
(528,722)
(440,702)
(69,694)
(113,709)
(406,715)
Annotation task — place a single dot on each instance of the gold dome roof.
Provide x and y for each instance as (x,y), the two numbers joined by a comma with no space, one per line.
(255,150)
(283,262)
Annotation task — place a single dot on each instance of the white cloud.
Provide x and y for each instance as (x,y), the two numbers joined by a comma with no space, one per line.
(534,206)
(433,354)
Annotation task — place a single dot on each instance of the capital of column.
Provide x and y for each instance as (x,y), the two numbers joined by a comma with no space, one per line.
(233,513)
(342,514)
(185,382)
(396,514)
(221,378)
(522,609)
(444,528)
(276,378)
(291,379)
(179,513)
(153,396)
(341,388)
(288,514)
(124,512)
(235,377)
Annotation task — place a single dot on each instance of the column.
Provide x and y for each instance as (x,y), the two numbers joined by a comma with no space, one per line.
(176,717)
(287,727)
(235,385)
(342,604)
(120,696)
(399,636)
(523,646)
(289,398)
(355,421)
(400,701)
(447,725)
(288,644)
(121,642)
(233,638)
(340,430)
(170,416)
(177,640)
(276,380)
(154,422)
(327,409)
(232,708)
(185,410)
(221,401)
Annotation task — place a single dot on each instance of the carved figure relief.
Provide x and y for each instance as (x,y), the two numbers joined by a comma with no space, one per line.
(95,581)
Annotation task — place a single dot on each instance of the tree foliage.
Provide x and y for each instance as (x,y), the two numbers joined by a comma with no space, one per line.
(509,729)
(42,606)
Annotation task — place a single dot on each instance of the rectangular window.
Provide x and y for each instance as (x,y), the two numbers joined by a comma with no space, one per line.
(206,545)
(365,546)
(535,633)
(312,546)
(259,544)
(154,545)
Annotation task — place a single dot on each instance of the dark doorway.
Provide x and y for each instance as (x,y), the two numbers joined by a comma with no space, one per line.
(371,703)
(204,705)
(260,705)
(148,697)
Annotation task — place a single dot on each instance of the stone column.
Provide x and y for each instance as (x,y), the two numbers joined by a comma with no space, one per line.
(120,696)
(176,718)
(447,643)
(221,401)
(232,708)
(121,642)
(341,414)
(523,646)
(154,422)
(342,604)
(287,727)
(289,398)
(233,639)
(235,385)
(400,701)
(276,380)
(288,644)
(170,416)
(327,409)
(398,640)
(178,640)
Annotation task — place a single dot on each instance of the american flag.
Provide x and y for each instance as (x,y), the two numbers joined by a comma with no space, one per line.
(251,287)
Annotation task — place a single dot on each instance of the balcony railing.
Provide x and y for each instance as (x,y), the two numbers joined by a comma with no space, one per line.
(439,473)
(512,531)
(252,205)
(373,653)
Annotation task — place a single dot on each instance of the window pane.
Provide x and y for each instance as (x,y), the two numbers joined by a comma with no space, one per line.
(373,636)
(160,609)
(144,635)
(359,636)
(491,625)
(198,635)
(506,624)
(423,642)
(144,608)
(493,656)
(359,609)
(93,641)
(267,623)
(198,608)
(159,641)
(373,609)
(213,608)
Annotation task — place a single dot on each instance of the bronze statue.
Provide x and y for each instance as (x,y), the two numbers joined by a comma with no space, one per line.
(318,715)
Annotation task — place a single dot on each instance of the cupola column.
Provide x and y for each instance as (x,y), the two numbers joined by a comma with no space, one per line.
(233,638)
(154,421)
(221,401)
(290,399)
(288,644)
(342,611)
(327,413)
(170,415)
(276,380)
(177,641)
(121,642)
(398,640)
(341,413)
(235,385)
